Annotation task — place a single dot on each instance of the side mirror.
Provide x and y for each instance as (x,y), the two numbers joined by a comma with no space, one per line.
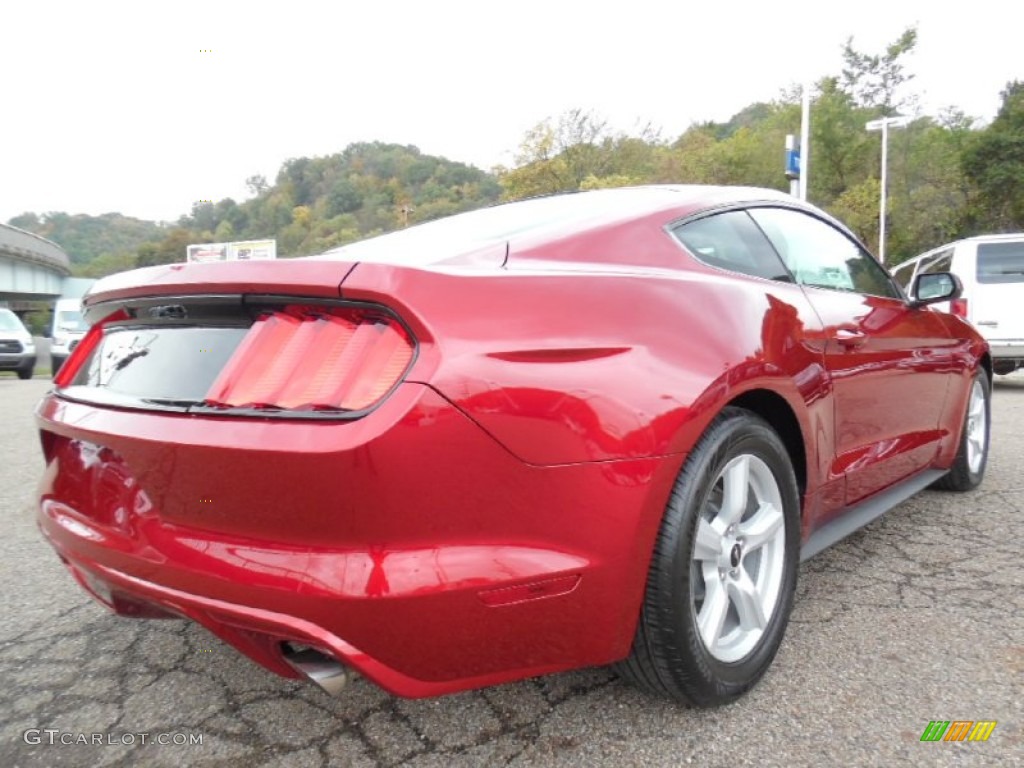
(934,287)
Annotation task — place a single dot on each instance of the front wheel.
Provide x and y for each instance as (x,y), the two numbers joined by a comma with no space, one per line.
(968,468)
(723,573)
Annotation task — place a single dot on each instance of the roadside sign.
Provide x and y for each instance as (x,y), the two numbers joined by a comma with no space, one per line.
(245,250)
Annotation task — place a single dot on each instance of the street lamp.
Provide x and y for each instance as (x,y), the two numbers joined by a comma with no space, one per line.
(805,140)
(883,124)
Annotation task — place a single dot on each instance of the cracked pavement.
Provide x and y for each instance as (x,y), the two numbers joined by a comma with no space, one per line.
(918,617)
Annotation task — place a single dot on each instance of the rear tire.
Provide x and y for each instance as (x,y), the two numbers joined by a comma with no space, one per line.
(723,573)
(972,457)
(1003,368)
(26,373)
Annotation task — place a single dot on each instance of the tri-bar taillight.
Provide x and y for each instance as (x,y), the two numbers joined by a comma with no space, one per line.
(314,359)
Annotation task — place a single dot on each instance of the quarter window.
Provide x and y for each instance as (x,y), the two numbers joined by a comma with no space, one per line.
(732,241)
(820,256)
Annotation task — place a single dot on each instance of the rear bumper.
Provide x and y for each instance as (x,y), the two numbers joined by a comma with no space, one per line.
(410,545)
(259,633)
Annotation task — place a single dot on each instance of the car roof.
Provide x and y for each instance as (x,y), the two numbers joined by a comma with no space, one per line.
(541,218)
(995,238)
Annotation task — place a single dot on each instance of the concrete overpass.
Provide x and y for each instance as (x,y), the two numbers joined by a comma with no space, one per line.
(31,268)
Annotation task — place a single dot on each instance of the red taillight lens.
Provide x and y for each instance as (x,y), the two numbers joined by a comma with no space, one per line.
(83,351)
(314,359)
(959,307)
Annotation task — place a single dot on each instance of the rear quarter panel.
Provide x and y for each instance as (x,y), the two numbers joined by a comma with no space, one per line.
(564,360)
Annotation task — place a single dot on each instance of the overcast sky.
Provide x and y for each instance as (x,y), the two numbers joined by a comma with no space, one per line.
(111,106)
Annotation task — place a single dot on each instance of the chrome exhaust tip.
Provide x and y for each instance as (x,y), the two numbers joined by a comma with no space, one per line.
(323,670)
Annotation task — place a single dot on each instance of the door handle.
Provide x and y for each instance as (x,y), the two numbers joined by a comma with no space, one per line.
(850,338)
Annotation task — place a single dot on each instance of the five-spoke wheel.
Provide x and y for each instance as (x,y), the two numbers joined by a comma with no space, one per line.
(722,576)
(738,557)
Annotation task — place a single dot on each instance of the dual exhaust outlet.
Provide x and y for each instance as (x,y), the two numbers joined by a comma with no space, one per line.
(317,666)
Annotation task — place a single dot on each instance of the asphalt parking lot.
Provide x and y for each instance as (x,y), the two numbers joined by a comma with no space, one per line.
(918,617)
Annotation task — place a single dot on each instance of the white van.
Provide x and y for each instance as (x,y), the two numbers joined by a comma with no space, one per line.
(69,328)
(991,267)
(17,349)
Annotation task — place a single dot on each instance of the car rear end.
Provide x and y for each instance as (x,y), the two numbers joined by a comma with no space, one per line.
(258,447)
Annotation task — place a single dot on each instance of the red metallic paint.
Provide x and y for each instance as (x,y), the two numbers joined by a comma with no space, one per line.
(494,517)
(392,561)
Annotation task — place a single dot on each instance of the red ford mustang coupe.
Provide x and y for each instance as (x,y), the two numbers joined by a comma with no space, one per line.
(578,430)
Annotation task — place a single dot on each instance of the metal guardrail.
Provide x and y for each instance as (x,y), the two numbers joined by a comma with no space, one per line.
(29,247)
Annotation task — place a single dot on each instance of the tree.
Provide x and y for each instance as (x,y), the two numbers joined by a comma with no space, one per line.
(85,237)
(842,155)
(106,264)
(27,221)
(994,162)
(874,80)
(558,155)
(171,250)
(343,198)
(225,232)
(257,184)
(203,216)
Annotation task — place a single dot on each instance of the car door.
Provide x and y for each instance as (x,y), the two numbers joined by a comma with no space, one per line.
(889,363)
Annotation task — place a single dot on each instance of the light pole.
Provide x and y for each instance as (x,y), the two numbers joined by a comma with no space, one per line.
(805,140)
(882,124)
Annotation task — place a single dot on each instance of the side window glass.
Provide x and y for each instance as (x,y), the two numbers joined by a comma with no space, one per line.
(1001,262)
(820,256)
(940,262)
(731,241)
(904,273)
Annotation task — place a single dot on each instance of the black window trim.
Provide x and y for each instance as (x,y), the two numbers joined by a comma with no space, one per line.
(708,213)
(796,206)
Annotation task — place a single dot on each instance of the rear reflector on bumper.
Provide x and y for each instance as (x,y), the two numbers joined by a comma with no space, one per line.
(314,359)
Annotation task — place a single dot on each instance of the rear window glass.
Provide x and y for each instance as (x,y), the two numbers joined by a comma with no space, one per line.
(155,366)
(1001,262)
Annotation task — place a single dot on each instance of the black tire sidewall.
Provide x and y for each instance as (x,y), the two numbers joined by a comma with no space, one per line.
(738,433)
(974,478)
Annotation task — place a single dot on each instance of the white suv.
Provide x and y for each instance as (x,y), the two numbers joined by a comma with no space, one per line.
(991,268)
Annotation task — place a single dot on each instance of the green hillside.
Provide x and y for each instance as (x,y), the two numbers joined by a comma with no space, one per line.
(949,176)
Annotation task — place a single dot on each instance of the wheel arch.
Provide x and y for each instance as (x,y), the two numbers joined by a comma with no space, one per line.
(986,363)
(776,410)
